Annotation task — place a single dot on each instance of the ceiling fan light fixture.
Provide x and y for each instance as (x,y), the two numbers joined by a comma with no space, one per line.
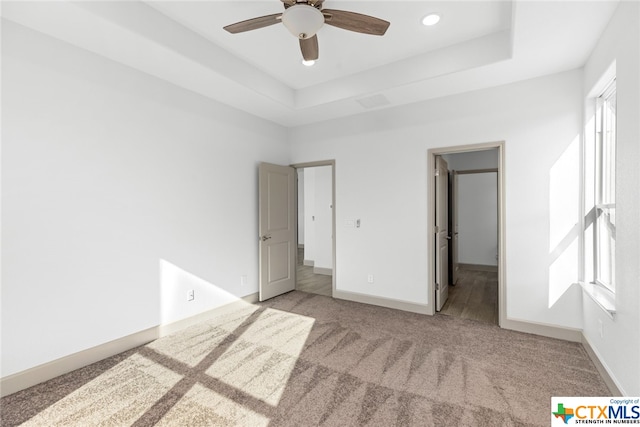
(431,19)
(302,20)
(308,63)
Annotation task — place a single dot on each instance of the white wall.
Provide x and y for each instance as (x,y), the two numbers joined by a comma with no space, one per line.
(381,177)
(477,206)
(477,199)
(619,348)
(120,192)
(323,213)
(309,216)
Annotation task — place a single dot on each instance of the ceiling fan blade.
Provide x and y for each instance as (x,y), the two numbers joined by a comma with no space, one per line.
(309,48)
(288,3)
(355,22)
(254,23)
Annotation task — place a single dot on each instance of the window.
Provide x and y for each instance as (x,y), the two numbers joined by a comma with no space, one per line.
(603,213)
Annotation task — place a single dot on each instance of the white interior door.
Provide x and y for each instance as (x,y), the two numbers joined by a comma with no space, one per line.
(442,233)
(277,228)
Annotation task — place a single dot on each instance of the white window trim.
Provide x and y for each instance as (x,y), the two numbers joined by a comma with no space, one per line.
(599,190)
(601,294)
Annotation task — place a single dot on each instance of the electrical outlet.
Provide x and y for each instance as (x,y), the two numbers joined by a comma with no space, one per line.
(243,280)
(370,278)
(191,295)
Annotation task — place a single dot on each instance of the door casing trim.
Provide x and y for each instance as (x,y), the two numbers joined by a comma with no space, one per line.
(431,202)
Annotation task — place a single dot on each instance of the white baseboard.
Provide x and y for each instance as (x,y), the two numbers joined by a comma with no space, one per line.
(30,377)
(603,370)
(546,330)
(551,331)
(171,328)
(543,329)
(323,271)
(381,301)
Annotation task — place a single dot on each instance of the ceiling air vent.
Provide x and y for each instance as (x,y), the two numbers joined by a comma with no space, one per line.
(374,101)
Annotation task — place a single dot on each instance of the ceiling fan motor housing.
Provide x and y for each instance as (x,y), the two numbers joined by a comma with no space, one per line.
(302,20)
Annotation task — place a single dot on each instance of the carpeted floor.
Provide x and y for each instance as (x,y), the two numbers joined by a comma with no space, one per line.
(305,360)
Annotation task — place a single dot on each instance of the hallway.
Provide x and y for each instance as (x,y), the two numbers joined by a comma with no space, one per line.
(308,281)
(474,297)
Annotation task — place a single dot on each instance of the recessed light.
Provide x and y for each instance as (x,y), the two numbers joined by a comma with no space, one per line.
(431,19)
(308,63)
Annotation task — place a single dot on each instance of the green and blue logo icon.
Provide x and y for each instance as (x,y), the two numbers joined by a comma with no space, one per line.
(565,414)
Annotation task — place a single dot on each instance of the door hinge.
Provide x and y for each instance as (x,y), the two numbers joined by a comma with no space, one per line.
(436,229)
(437,286)
(437,172)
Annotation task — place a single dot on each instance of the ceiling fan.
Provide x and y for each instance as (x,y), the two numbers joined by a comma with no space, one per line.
(303,18)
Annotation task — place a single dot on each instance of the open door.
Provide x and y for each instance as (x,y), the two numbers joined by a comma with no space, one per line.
(277,228)
(441,232)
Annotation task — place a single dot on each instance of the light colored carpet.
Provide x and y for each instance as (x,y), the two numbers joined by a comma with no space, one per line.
(305,360)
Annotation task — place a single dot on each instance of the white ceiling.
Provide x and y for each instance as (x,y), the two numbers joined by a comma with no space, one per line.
(477,44)
(275,51)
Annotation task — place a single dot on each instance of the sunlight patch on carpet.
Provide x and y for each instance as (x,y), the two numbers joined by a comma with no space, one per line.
(117,397)
(261,361)
(191,345)
(204,407)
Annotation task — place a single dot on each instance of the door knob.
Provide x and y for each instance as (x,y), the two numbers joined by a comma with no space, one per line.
(265,238)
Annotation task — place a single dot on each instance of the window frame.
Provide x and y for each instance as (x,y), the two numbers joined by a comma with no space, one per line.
(605,185)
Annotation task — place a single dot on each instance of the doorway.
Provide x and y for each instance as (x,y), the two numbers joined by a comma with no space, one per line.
(315,264)
(467,262)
